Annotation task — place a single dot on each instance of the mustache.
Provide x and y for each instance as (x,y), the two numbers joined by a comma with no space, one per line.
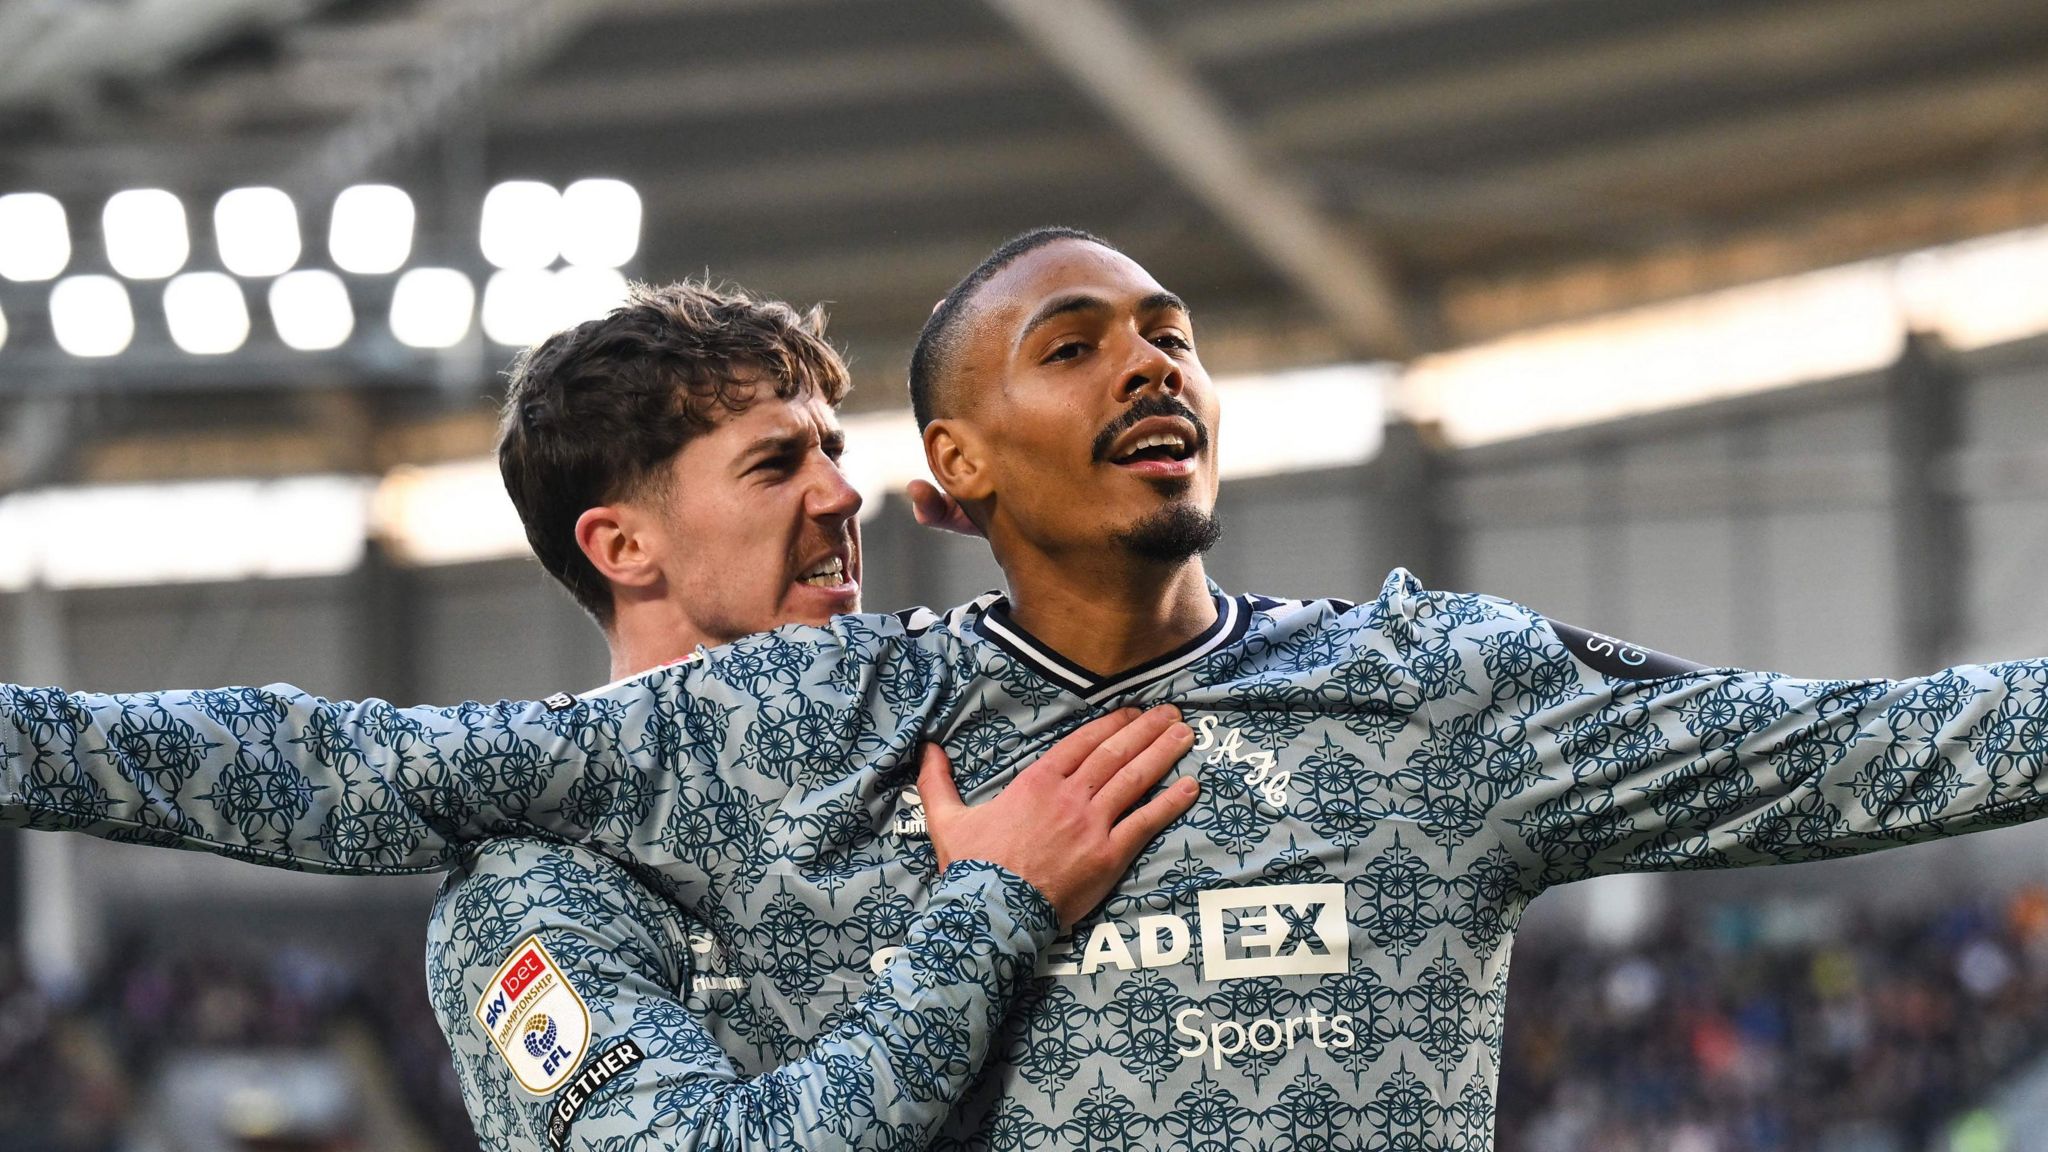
(1145,408)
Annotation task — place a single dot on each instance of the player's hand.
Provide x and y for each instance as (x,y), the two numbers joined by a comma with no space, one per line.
(934,509)
(1066,823)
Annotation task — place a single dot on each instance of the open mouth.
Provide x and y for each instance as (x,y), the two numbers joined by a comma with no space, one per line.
(827,573)
(1157,445)
(1160,447)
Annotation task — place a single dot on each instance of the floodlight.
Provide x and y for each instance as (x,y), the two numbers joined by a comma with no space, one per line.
(35,238)
(91,316)
(311,310)
(371,232)
(520,306)
(257,230)
(431,307)
(587,294)
(600,223)
(522,225)
(206,313)
(145,230)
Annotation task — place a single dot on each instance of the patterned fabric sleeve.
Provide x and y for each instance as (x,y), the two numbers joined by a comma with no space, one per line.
(284,778)
(646,1072)
(1586,755)
(275,775)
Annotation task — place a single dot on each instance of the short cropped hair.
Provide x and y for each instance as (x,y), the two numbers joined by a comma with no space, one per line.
(939,344)
(594,414)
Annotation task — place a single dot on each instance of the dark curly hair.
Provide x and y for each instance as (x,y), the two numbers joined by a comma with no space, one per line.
(594,413)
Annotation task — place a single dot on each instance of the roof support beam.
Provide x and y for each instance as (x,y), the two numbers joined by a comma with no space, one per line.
(482,43)
(1168,113)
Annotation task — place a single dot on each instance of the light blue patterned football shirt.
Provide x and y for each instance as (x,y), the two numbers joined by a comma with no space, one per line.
(1315,956)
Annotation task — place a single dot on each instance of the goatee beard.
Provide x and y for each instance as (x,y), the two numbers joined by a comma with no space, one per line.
(1177,532)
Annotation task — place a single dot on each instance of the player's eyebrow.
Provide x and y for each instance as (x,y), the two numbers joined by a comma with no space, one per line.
(1083,302)
(777,444)
(1164,302)
(1060,306)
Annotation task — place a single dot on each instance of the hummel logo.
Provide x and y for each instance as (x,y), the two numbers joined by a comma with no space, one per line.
(910,816)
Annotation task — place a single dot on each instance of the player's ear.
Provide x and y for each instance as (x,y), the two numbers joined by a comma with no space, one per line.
(958,457)
(617,540)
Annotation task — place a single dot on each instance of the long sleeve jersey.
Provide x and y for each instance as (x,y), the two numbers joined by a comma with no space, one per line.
(1316,954)
(653,994)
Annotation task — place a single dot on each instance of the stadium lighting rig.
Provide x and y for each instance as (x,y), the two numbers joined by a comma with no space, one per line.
(557,257)
(257,230)
(35,237)
(311,310)
(146,235)
(370,231)
(549,258)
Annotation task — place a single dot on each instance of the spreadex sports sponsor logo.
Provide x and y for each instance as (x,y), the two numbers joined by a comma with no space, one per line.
(1244,932)
(1257,930)
(1222,1039)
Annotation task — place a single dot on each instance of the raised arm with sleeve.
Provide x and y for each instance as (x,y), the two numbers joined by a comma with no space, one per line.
(1587,755)
(284,778)
(648,1071)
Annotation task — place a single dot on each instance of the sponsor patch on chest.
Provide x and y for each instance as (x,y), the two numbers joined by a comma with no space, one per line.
(535,1019)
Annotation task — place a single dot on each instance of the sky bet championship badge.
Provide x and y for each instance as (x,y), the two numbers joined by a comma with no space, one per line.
(535,1018)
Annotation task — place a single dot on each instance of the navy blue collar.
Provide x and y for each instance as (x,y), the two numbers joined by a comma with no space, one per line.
(995,625)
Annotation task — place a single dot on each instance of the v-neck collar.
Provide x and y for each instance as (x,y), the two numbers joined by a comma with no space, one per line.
(995,625)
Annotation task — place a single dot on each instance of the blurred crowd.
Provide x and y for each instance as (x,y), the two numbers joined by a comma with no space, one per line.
(1747,1030)
(1767,1029)
(78,1072)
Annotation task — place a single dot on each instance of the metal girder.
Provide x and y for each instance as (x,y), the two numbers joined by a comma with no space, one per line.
(1842,137)
(771,82)
(1229,31)
(871,175)
(1173,117)
(52,48)
(1926,398)
(1779,44)
(481,42)
(1838,230)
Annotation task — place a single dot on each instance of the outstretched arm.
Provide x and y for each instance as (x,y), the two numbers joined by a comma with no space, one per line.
(1590,755)
(285,778)
(279,776)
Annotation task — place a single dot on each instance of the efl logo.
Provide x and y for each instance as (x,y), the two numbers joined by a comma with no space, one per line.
(1273,930)
(535,1018)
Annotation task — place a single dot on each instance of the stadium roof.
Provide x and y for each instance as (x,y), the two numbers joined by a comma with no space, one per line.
(1325,179)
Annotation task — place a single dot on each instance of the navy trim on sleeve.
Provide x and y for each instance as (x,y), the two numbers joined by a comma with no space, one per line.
(1619,658)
